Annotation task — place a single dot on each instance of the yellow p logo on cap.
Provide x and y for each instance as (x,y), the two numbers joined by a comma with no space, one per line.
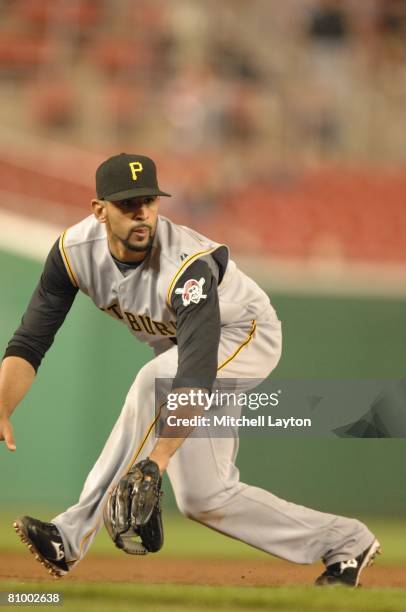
(135,167)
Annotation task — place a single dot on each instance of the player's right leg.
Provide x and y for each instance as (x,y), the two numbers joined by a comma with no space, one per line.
(44,542)
(61,544)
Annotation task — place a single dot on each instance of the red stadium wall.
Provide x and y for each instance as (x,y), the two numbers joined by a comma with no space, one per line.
(330,213)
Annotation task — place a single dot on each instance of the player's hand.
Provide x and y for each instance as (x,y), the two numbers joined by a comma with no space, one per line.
(6,433)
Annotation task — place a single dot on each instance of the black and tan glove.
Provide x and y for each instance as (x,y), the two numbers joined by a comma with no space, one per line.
(132,515)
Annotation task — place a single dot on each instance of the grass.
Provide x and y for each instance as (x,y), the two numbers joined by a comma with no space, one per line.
(187,539)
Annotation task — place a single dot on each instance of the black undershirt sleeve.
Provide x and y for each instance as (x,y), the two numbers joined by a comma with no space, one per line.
(46,311)
(197,327)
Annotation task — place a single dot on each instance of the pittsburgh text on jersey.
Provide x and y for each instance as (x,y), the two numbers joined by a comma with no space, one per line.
(141,323)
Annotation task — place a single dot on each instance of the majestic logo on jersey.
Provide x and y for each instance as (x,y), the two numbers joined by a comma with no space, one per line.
(192,291)
(135,167)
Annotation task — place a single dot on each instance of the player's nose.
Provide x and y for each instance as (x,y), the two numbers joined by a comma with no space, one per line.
(141,213)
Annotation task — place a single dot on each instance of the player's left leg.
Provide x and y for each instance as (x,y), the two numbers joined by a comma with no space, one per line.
(207,489)
(207,486)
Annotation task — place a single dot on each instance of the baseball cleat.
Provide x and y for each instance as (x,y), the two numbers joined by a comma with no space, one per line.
(347,573)
(44,542)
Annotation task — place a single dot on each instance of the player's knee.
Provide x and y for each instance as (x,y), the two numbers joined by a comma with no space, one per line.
(143,387)
(193,505)
(204,506)
(150,384)
(146,376)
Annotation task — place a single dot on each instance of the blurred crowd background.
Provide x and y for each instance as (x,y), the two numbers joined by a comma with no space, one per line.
(278,126)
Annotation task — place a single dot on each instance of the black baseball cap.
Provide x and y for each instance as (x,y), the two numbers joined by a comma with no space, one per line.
(126,176)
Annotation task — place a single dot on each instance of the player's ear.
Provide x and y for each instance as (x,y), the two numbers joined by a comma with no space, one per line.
(99,210)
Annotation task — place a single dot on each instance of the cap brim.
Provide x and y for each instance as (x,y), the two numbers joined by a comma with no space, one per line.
(135,193)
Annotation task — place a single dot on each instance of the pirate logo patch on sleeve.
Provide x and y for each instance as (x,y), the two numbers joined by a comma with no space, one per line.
(192,291)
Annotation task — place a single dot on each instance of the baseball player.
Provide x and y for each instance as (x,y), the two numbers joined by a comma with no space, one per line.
(205,320)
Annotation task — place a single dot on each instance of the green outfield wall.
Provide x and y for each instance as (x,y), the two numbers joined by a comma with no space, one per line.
(62,424)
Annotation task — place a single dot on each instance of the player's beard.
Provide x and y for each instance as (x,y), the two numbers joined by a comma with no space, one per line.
(138,248)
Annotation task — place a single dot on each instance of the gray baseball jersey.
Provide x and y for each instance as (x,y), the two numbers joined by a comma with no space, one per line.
(143,301)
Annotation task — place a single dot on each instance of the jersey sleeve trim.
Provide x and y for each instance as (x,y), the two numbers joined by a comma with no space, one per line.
(246,341)
(183,267)
(24,353)
(66,261)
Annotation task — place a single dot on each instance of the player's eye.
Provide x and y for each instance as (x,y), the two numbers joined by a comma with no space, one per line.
(134,202)
(127,204)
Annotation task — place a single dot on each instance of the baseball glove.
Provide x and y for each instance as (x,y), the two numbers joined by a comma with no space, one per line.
(132,515)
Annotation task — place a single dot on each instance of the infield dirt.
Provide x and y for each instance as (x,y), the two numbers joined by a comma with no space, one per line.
(213,572)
